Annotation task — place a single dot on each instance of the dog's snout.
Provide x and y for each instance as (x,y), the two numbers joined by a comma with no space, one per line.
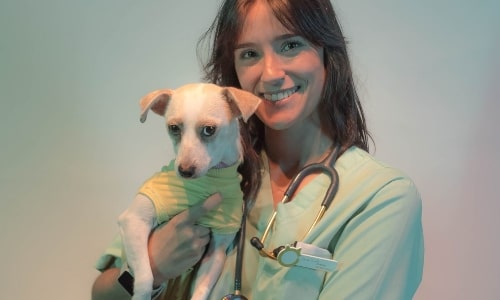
(186,172)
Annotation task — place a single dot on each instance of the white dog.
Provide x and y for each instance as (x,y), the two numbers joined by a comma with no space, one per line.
(203,124)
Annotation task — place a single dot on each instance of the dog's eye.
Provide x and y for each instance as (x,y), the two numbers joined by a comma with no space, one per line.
(174,129)
(208,130)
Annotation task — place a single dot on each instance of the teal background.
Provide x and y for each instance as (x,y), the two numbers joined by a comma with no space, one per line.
(73,151)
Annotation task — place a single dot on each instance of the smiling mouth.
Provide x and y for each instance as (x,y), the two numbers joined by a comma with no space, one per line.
(277,96)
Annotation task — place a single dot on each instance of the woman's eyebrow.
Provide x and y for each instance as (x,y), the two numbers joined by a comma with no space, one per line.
(286,36)
(278,38)
(243,45)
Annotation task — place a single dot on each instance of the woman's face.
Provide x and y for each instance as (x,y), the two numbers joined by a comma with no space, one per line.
(282,68)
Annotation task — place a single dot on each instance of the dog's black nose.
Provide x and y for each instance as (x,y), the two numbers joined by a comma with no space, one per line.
(186,173)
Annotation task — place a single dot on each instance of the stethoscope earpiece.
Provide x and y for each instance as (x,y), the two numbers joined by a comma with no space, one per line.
(255,241)
(257,244)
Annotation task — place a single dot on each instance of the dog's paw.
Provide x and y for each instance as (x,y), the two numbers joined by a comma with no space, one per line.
(141,296)
(143,287)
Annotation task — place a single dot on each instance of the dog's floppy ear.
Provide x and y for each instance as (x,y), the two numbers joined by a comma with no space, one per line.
(156,101)
(242,103)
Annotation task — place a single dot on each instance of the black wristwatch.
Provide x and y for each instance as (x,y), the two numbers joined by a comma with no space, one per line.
(126,279)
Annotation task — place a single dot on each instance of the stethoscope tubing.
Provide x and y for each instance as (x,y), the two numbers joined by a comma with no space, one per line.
(238,270)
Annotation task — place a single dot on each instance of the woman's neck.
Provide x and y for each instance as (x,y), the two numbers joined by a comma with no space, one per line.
(288,151)
(293,149)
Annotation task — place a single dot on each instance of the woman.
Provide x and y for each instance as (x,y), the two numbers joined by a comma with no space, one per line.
(292,54)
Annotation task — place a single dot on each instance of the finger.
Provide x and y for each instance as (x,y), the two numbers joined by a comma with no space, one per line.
(201,231)
(192,214)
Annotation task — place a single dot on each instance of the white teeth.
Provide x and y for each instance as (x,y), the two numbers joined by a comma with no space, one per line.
(280,95)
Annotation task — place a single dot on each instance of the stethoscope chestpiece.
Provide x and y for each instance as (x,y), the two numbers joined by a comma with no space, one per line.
(277,251)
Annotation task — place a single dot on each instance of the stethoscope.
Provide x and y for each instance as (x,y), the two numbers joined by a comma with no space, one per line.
(326,167)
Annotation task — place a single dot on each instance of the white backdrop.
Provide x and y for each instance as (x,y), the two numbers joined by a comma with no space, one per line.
(73,151)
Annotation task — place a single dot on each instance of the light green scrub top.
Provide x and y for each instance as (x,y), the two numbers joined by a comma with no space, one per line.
(373,228)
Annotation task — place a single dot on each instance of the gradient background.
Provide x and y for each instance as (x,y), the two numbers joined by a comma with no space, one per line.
(73,151)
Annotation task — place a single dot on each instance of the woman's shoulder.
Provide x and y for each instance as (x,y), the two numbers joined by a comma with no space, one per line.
(361,169)
(357,160)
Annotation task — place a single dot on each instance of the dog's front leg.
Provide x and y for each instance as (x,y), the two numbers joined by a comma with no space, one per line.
(211,265)
(135,225)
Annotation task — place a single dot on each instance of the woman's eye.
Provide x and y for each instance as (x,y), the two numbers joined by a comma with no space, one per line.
(247,54)
(208,131)
(174,130)
(290,45)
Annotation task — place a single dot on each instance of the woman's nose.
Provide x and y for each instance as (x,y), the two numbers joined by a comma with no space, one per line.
(273,68)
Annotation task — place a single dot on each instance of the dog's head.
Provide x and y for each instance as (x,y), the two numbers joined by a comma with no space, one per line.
(202,121)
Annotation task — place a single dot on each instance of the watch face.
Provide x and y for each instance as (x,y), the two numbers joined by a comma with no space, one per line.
(127,281)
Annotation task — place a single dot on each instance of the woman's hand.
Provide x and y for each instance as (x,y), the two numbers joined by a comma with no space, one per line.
(179,244)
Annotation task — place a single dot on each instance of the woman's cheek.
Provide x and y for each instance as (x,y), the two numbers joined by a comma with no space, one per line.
(246,77)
